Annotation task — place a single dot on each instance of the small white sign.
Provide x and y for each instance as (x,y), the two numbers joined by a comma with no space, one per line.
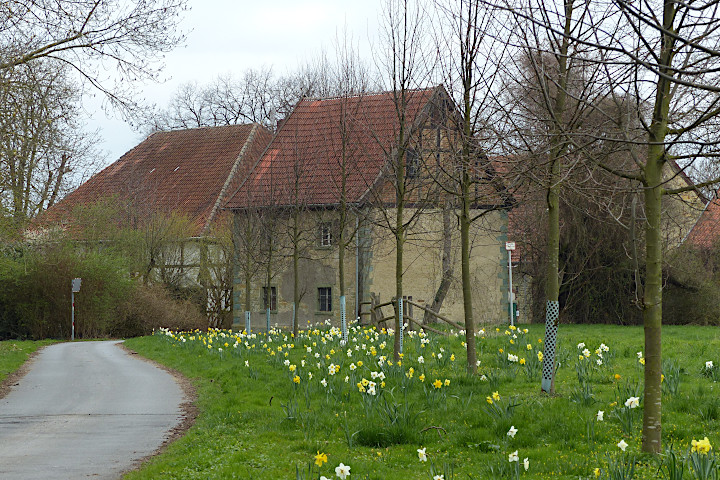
(76,284)
(509,245)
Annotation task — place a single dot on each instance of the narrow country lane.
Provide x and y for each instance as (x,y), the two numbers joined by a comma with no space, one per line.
(85,410)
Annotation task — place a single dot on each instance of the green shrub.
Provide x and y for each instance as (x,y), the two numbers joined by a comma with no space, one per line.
(152,307)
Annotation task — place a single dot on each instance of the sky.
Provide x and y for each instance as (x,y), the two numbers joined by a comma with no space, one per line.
(231,36)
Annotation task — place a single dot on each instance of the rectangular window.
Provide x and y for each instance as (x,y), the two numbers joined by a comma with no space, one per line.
(325,299)
(270,301)
(412,163)
(325,234)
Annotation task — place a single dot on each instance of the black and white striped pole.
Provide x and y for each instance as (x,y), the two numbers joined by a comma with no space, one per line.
(75,289)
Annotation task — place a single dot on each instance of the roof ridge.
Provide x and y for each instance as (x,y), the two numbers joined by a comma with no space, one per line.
(207,127)
(231,175)
(364,95)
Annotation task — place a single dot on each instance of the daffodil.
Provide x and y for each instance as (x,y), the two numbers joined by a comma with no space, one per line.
(526,463)
(437,384)
(496,396)
(320,458)
(600,415)
(513,457)
(701,446)
(511,433)
(342,471)
(622,445)
(421,454)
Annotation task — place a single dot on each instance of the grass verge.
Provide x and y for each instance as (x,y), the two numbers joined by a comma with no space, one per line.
(267,407)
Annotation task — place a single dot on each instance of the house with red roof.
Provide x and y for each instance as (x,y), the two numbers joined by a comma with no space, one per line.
(317,213)
(185,174)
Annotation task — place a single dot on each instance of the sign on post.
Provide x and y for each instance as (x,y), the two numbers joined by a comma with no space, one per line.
(76,282)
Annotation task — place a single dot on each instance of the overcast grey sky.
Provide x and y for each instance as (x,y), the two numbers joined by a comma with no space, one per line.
(226,36)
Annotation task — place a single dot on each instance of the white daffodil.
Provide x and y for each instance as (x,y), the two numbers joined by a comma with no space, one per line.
(342,471)
(421,454)
(511,433)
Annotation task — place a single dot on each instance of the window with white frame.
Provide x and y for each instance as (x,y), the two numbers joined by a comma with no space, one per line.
(325,234)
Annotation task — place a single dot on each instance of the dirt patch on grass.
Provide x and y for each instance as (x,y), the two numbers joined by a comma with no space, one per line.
(188,408)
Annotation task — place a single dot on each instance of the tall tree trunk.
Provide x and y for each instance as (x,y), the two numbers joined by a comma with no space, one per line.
(447,265)
(652,303)
(652,296)
(466,280)
(558,148)
(296,274)
(248,279)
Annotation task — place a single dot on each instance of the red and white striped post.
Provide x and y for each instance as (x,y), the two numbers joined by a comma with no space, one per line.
(76,282)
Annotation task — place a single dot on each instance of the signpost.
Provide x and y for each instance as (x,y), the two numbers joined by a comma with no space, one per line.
(510,246)
(76,282)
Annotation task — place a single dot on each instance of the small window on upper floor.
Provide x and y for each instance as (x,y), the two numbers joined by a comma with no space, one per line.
(325,234)
(412,163)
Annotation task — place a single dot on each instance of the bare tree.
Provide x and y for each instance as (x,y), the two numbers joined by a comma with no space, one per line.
(471,32)
(664,58)
(406,67)
(43,144)
(89,35)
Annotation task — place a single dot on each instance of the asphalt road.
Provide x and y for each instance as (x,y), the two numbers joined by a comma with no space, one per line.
(85,410)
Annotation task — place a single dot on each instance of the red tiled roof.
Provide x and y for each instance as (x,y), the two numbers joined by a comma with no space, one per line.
(185,171)
(302,165)
(706,231)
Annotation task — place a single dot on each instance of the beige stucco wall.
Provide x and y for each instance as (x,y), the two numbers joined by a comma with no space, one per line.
(422,273)
(423,266)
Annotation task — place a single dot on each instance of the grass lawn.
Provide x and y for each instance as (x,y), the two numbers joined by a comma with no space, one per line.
(269,404)
(13,353)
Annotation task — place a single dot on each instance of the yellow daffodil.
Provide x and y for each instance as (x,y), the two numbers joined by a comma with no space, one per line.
(701,446)
(489,400)
(437,383)
(296,379)
(496,396)
(447,382)
(422,377)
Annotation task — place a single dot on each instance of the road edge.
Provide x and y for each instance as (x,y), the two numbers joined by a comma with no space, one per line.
(13,378)
(188,408)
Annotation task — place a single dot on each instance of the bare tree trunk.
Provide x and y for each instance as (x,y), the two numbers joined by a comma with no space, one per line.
(552,291)
(447,265)
(466,280)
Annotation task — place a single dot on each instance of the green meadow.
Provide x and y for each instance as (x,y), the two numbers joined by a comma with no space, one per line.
(276,407)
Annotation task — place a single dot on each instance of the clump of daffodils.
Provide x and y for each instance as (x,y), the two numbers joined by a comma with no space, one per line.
(702,447)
